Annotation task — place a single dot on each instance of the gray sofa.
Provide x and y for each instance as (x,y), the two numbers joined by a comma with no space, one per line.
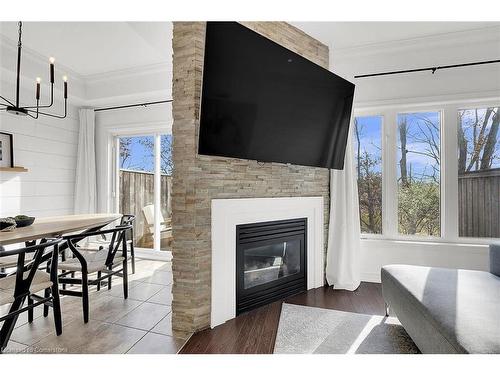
(447,310)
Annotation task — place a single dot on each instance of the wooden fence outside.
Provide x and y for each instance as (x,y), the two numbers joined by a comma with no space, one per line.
(479,203)
(137,191)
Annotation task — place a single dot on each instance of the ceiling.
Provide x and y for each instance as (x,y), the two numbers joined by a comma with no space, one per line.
(340,35)
(89,48)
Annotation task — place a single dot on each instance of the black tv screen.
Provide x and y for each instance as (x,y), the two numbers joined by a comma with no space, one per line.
(263,102)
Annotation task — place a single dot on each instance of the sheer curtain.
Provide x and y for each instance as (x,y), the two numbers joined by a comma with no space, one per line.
(343,259)
(85,181)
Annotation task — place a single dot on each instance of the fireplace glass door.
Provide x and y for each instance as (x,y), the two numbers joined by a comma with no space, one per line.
(271,261)
(268,263)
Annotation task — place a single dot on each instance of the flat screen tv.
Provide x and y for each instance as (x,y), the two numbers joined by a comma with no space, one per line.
(263,102)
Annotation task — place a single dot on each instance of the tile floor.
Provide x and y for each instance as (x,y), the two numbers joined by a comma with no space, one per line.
(139,324)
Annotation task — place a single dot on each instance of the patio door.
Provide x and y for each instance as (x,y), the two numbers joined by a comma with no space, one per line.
(142,187)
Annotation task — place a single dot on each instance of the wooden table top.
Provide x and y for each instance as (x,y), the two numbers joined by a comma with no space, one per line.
(56,225)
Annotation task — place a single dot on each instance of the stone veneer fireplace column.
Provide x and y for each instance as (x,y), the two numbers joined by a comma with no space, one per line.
(198,179)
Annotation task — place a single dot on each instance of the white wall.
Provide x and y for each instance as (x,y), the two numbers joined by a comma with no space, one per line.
(47,148)
(448,86)
(377,253)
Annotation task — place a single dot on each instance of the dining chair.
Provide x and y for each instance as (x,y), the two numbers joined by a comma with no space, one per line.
(26,281)
(10,261)
(110,260)
(103,241)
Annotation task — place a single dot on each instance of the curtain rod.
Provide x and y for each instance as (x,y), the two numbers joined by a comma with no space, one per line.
(133,105)
(433,69)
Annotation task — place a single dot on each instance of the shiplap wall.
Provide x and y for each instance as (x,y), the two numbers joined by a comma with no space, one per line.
(47,148)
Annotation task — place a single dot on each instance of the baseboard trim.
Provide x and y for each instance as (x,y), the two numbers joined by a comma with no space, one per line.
(370,277)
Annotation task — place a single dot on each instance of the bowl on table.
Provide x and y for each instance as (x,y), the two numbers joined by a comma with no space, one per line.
(7,224)
(24,221)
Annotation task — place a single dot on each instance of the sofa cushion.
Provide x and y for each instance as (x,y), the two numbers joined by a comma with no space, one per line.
(462,305)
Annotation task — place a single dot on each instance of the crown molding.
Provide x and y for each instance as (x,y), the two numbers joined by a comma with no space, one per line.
(483,35)
(492,97)
(136,71)
(130,98)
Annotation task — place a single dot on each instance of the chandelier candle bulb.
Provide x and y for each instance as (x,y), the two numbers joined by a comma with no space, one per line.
(52,60)
(38,80)
(65,79)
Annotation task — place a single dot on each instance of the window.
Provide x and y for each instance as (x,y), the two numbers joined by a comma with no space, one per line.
(479,172)
(136,153)
(368,153)
(144,187)
(418,163)
(401,157)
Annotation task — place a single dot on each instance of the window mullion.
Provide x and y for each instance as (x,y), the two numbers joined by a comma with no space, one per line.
(389,186)
(449,174)
(157,187)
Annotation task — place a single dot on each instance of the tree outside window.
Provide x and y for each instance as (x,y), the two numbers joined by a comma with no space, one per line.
(419,173)
(478,139)
(479,172)
(137,153)
(368,153)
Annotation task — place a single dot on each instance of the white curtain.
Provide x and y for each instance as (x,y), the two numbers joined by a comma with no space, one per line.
(343,259)
(85,182)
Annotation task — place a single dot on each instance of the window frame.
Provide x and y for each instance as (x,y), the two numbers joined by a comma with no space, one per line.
(382,145)
(448,164)
(394,181)
(115,170)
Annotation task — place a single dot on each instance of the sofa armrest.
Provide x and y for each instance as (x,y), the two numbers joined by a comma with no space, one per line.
(495,259)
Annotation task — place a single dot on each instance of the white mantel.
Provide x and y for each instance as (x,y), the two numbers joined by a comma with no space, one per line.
(228,213)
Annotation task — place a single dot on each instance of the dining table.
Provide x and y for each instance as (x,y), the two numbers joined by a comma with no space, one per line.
(47,227)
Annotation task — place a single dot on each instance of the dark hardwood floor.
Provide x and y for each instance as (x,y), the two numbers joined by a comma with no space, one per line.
(255,332)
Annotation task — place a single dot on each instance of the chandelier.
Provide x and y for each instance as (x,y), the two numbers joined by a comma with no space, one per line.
(14,107)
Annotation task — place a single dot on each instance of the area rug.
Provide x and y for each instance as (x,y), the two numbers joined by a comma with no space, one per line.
(308,330)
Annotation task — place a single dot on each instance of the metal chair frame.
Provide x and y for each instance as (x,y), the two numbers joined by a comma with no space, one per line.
(118,239)
(22,287)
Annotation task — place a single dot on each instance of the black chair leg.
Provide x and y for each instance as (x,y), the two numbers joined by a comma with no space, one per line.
(30,311)
(56,306)
(99,282)
(85,297)
(132,256)
(64,284)
(63,259)
(45,307)
(9,324)
(125,279)
(109,278)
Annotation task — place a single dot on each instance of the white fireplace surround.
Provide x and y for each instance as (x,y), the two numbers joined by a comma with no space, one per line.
(228,213)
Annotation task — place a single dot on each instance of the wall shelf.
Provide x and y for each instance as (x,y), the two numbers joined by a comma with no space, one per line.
(13,169)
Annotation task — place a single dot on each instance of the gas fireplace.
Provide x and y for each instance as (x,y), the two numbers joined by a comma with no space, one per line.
(270,262)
